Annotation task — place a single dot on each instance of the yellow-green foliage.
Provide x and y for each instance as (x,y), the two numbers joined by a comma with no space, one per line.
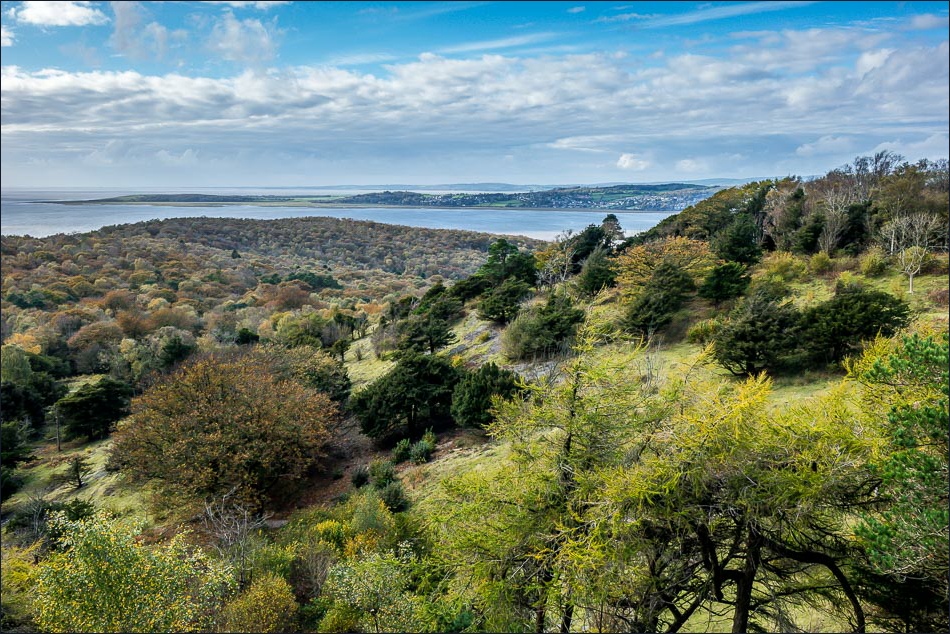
(16,582)
(636,264)
(268,605)
(372,593)
(820,263)
(783,265)
(106,581)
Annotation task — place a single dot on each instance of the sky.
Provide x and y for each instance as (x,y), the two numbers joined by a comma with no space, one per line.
(294,94)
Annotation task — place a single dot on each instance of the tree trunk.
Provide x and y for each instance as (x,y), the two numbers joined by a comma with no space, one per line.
(566,618)
(740,620)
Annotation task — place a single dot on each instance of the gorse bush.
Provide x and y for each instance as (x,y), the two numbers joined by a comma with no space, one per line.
(268,605)
(704,331)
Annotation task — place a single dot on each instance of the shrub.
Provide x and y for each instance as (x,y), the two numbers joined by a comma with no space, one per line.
(820,263)
(401,451)
(834,328)
(939,296)
(873,263)
(759,333)
(663,295)
(381,472)
(91,410)
(848,282)
(429,437)
(542,332)
(421,452)
(503,302)
(597,273)
(160,588)
(724,282)
(471,400)
(784,265)
(268,605)
(703,332)
(418,389)
(393,496)
(360,476)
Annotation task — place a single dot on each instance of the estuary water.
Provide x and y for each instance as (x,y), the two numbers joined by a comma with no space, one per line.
(29,212)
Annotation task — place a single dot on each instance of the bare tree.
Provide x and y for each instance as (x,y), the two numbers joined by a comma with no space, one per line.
(834,193)
(233,527)
(560,261)
(909,238)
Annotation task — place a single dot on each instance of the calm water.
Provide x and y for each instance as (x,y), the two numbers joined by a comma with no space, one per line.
(21,215)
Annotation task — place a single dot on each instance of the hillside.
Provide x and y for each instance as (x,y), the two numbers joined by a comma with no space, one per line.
(736,420)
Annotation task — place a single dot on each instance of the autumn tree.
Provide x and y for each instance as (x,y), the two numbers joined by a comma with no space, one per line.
(636,264)
(741,508)
(220,423)
(516,534)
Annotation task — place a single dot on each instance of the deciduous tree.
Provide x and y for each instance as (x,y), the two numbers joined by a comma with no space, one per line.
(220,423)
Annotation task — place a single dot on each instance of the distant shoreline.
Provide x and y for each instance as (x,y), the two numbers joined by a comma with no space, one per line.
(331,205)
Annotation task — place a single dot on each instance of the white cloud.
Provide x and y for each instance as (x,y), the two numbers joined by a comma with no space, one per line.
(246,40)
(632,162)
(870,60)
(564,117)
(240,4)
(626,17)
(591,143)
(187,158)
(926,21)
(690,166)
(490,45)
(6,36)
(54,13)
(826,145)
(134,37)
(580,9)
(935,146)
(719,13)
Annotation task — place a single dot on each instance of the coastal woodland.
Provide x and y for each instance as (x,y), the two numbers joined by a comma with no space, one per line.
(735,421)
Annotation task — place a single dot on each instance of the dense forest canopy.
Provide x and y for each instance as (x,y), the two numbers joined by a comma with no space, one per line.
(737,420)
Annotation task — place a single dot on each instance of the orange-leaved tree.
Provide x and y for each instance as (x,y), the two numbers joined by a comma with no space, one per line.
(224,423)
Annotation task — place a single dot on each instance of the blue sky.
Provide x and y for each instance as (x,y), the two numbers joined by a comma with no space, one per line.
(317,93)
